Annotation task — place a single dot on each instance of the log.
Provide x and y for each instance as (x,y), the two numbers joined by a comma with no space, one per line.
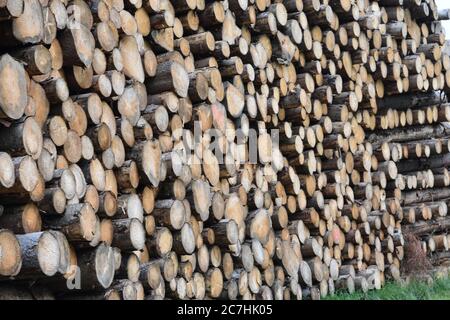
(40,254)
(12,103)
(219,150)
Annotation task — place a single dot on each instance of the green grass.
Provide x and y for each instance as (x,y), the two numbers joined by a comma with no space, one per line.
(415,290)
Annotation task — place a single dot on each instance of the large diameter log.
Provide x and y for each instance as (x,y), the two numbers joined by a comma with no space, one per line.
(27,178)
(201,195)
(148,155)
(214,282)
(11,256)
(78,44)
(128,105)
(13,86)
(130,206)
(234,101)
(131,59)
(40,254)
(225,233)
(66,258)
(15,8)
(22,138)
(28,27)
(259,225)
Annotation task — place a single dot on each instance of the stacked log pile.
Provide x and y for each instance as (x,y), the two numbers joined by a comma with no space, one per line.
(237,149)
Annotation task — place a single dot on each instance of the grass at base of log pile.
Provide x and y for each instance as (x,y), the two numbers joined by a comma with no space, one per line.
(415,290)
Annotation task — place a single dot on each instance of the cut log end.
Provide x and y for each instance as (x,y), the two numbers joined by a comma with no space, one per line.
(180,79)
(10,257)
(48,253)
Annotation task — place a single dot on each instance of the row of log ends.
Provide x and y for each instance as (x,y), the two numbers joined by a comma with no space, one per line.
(111,183)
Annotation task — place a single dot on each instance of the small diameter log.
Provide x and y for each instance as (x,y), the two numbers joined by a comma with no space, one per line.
(97,267)
(129,234)
(77,44)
